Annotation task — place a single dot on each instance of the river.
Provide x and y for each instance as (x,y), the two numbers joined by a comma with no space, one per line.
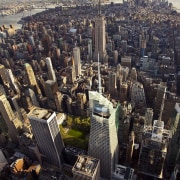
(14,18)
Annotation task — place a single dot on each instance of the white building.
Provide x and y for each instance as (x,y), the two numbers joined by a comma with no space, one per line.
(77,60)
(103,141)
(51,72)
(47,135)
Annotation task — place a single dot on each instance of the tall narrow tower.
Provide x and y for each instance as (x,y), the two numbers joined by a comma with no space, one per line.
(100,36)
(51,72)
(45,129)
(9,117)
(77,60)
(103,141)
(31,78)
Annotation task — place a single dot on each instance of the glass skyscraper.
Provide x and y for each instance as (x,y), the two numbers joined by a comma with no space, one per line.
(103,140)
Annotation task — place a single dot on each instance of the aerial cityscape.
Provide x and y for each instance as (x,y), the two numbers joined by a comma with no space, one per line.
(89,90)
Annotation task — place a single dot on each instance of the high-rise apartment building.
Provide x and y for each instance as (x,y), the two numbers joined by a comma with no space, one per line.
(51,88)
(123,92)
(12,80)
(31,78)
(174,144)
(3,76)
(138,98)
(77,60)
(9,117)
(153,150)
(154,147)
(51,73)
(112,84)
(158,98)
(103,141)
(100,37)
(90,49)
(86,168)
(149,117)
(47,135)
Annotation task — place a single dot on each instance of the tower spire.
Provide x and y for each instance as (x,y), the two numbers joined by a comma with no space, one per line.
(99,77)
(99,8)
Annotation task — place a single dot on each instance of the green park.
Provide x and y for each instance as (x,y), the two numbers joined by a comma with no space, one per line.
(75,131)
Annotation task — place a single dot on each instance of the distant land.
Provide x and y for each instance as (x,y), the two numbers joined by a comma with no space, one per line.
(176,3)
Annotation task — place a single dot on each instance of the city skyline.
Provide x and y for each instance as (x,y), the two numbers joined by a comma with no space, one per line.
(91,91)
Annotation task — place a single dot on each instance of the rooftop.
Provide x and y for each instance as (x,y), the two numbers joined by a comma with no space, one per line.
(86,165)
(123,172)
(40,113)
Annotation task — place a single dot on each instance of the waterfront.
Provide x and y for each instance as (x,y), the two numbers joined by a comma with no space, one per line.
(14,18)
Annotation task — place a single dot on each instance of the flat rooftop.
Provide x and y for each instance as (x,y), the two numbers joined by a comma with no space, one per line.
(40,113)
(85,165)
(123,172)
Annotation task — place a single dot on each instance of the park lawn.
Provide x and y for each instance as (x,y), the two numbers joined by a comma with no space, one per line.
(74,137)
(76,133)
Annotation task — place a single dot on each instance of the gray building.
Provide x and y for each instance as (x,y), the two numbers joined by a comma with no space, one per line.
(153,150)
(100,37)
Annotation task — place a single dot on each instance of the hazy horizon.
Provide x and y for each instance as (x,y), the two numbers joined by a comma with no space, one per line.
(176,3)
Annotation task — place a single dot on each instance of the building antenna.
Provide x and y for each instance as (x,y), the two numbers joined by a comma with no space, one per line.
(162,106)
(99,77)
(99,8)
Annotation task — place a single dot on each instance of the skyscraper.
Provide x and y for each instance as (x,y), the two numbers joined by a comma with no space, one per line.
(154,147)
(77,60)
(31,78)
(103,141)
(112,87)
(90,49)
(9,117)
(3,76)
(51,73)
(100,36)
(12,80)
(153,150)
(47,134)
(51,88)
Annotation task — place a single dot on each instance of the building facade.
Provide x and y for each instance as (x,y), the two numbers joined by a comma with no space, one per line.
(100,38)
(31,78)
(47,135)
(103,140)
(77,60)
(51,73)
(154,150)
(9,117)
